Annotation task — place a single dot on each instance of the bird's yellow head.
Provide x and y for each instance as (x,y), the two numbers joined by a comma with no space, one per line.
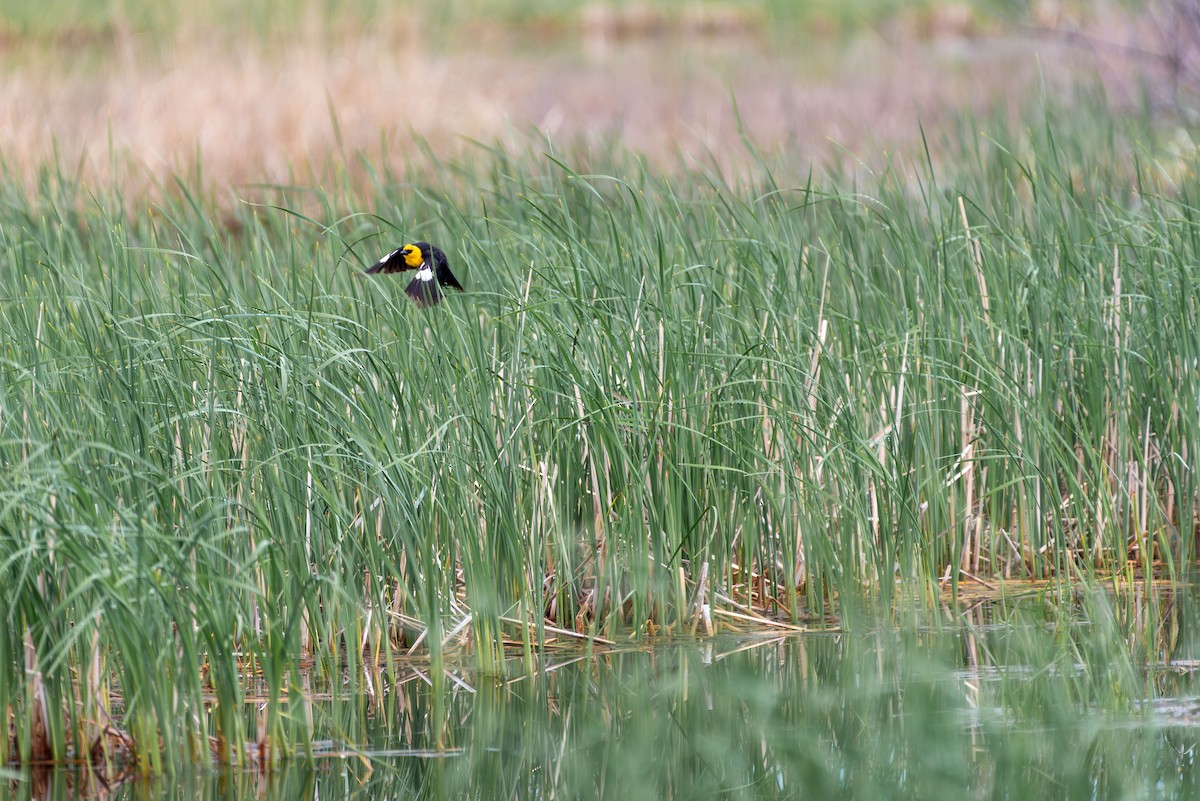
(413,255)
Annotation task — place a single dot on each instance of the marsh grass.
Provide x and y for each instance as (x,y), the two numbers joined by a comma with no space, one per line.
(660,401)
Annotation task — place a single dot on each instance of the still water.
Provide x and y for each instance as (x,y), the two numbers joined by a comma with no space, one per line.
(1021,709)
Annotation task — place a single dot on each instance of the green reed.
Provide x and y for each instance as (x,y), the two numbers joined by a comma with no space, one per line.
(225,452)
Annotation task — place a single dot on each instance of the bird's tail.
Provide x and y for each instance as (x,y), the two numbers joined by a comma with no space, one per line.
(424,293)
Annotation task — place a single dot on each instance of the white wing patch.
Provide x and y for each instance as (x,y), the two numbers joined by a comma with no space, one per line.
(425,274)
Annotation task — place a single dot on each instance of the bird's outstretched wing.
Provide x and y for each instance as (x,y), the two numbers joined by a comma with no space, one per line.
(391,263)
(446,278)
(441,270)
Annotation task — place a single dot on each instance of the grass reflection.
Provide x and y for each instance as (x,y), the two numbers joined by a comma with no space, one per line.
(1026,708)
(1021,710)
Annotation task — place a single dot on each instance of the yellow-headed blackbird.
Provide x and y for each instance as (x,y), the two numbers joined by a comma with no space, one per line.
(433,271)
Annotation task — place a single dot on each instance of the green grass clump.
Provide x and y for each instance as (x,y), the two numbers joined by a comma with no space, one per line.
(225,452)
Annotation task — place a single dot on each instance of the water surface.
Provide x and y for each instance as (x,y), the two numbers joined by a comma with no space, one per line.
(1016,709)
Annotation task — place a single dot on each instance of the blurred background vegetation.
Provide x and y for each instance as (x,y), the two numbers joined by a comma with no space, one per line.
(279,90)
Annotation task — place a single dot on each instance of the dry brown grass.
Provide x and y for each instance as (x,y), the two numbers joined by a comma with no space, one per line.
(248,114)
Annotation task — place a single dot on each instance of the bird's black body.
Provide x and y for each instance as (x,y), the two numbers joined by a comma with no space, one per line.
(432,266)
